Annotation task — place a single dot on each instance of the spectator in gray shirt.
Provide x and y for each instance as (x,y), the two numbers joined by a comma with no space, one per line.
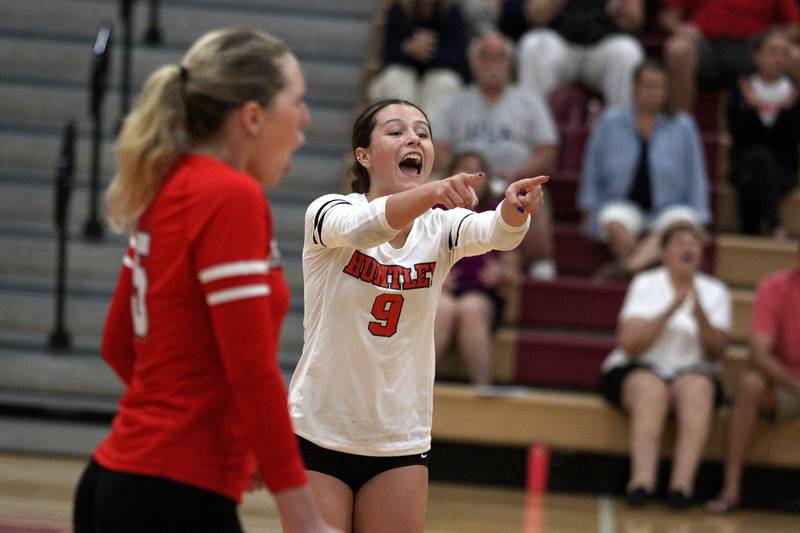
(513,129)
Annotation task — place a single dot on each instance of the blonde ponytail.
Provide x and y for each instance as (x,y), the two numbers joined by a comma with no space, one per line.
(152,138)
(181,106)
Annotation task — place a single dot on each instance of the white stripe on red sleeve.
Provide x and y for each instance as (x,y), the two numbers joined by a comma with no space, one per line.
(237,293)
(233,269)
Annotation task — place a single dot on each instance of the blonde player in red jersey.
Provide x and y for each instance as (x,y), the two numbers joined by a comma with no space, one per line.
(194,323)
(373,265)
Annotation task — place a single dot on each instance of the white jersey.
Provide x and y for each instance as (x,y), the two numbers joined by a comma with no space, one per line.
(364,384)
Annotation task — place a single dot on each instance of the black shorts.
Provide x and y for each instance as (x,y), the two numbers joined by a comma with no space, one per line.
(498,304)
(108,501)
(354,470)
(721,62)
(611,384)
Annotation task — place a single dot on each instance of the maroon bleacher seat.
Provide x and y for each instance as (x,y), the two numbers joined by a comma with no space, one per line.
(559,360)
(568,104)
(707,110)
(563,190)
(576,254)
(711,141)
(653,42)
(573,144)
(571,302)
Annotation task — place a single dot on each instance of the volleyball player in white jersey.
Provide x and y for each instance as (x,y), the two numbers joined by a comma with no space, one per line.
(374,262)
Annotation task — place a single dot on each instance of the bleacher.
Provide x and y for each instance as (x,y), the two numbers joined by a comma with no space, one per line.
(547,357)
(62,401)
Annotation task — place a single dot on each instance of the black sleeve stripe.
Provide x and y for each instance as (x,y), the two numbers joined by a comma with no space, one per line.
(450,242)
(319,218)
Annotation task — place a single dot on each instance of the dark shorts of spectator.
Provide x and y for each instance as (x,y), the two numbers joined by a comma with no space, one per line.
(720,62)
(611,383)
(498,304)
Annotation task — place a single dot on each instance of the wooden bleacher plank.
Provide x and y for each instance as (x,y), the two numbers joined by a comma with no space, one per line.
(742,261)
(727,220)
(578,422)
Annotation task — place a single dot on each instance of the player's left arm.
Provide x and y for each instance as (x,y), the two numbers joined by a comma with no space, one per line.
(503,229)
(231,259)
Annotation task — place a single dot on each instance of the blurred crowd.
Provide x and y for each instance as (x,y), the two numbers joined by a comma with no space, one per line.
(489,75)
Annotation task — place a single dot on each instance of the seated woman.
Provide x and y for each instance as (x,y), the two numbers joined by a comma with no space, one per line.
(764,123)
(642,169)
(672,332)
(474,293)
(423,52)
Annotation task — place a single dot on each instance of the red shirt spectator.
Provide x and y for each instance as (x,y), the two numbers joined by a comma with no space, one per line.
(736,19)
(776,312)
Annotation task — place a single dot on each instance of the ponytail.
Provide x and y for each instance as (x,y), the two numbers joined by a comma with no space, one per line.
(152,138)
(182,106)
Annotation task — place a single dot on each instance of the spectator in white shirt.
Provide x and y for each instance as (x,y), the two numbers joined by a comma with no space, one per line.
(672,332)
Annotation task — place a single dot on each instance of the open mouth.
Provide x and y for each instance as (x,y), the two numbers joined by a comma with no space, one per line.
(411,165)
(687,257)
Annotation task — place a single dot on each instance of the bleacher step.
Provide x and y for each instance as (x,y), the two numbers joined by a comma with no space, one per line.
(32,313)
(90,266)
(182,24)
(32,204)
(578,422)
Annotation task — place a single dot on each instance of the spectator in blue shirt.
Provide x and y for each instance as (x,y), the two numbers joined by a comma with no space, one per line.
(642,170)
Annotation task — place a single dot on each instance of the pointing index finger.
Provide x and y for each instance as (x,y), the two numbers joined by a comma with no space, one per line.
(529,184)
(474,178)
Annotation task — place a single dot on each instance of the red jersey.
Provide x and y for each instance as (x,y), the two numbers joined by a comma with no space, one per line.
(193,332)
(776,312)
(737,19)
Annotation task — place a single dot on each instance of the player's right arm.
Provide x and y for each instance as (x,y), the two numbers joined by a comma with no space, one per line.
(117,347)
(336,220)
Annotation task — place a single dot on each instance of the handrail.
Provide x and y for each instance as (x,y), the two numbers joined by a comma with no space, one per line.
(125,13)
(101,52)
(60,338)
(153,35)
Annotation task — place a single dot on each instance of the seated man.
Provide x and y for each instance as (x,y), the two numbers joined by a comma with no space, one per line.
(514,131)
(711,41)
(772,384)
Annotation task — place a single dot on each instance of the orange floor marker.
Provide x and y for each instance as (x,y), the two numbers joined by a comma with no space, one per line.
(538,469)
